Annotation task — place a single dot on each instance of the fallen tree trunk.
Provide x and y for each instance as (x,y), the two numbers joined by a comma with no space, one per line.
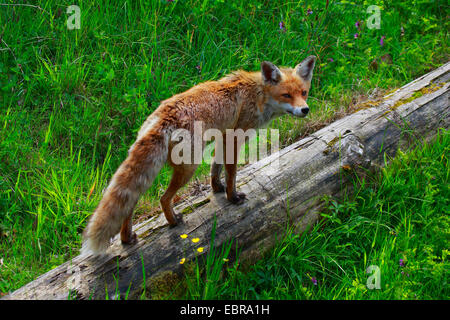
(285,187)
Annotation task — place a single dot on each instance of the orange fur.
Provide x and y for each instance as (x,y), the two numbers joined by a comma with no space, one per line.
(242,100)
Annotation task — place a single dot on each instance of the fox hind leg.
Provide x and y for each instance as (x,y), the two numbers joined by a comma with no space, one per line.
(127,236)
(181,175)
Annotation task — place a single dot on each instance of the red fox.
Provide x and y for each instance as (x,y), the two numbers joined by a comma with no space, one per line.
(241,100)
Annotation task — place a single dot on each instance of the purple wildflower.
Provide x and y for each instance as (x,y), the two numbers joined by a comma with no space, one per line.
(382,40)
(282,26)
(357,24)
(401,263)
(309,11)
(356,36)
(314,281)
(330,59)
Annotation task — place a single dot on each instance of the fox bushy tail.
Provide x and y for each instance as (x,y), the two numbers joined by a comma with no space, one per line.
(133,177)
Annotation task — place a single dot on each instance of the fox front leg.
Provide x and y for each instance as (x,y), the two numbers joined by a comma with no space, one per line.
(230,171)
(216,169)
(230,176)
(216,185)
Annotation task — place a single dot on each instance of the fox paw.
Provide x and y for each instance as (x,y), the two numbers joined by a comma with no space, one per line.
(132,239)
(237,198)
(218,187)
(178,219)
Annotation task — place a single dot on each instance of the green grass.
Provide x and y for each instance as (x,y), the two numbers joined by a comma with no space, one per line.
(397,220)
(72,101)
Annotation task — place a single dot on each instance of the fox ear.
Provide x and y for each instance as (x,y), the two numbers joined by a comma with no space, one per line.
(270,73)
(305,68)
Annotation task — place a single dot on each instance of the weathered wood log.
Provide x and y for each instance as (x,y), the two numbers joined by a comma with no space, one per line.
(285,187)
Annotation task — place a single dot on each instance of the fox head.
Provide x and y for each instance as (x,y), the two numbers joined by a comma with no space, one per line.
(286,88)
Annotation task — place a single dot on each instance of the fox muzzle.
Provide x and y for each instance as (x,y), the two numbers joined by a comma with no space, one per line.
(300,111)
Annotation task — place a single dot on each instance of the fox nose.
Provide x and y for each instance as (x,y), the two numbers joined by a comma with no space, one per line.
(305,110)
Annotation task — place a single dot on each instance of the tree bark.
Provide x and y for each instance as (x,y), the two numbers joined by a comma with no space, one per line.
(282,189)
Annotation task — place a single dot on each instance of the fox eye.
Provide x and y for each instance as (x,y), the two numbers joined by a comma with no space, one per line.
(304,93)
(287,95)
